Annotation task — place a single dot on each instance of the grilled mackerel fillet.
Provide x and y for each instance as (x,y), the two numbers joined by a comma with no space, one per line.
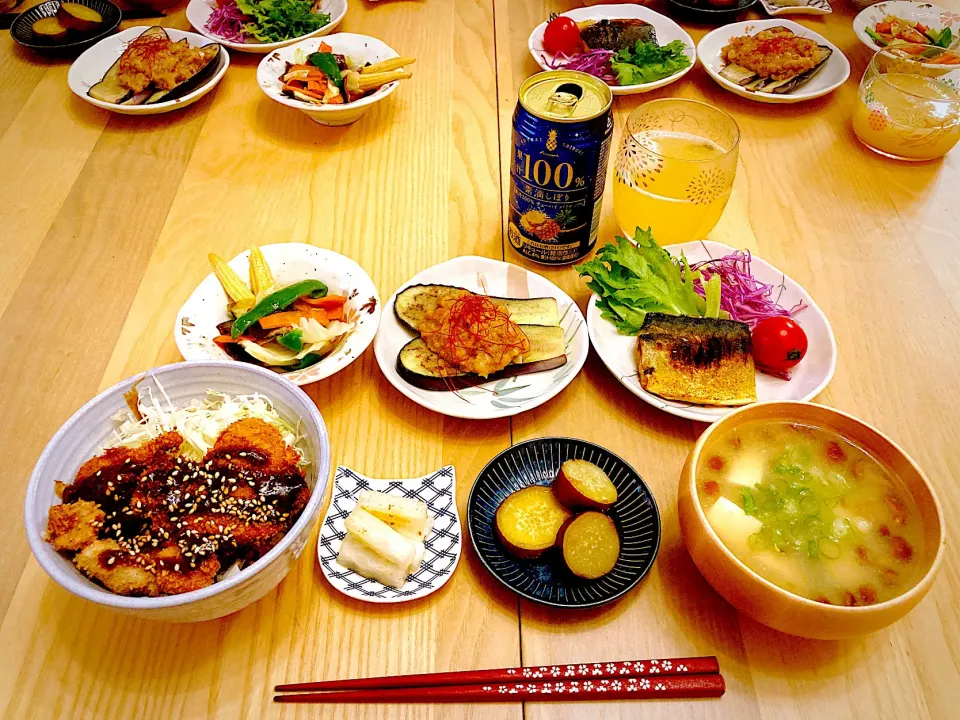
(696,360)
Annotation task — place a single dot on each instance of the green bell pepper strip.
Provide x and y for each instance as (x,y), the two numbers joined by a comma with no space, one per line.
(276,301)
(292,340)
(327,64)
(308,360)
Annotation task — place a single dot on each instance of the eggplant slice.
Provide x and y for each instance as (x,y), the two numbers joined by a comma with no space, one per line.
(109,89)
(749,80)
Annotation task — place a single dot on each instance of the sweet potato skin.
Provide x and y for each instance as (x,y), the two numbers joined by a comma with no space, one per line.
(572,497)
(528,553)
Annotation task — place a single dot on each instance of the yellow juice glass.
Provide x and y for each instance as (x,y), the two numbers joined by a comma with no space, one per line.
(675,169)
(909,103)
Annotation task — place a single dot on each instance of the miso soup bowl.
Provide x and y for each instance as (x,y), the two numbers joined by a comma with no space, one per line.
(771,605)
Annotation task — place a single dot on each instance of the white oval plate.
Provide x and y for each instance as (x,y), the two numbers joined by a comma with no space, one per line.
(930,15)
(832,76)
(360,49)
(619,352)
(667,31)
(199,12)
(803,7)
(443,546)
(89,69)
(498,398)
(197,321)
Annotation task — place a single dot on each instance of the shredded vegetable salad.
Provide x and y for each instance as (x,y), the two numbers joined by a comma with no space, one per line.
(743,297)
(227,21)
(200,422)
(595,62)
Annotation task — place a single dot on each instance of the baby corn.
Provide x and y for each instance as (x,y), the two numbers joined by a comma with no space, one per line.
(241,299)
(261,279)
(385,65)
(375,80)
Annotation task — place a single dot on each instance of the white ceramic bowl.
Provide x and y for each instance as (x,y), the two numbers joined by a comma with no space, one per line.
(199,12)
(930,15)
(82,437)
(831,76)
(667,31)
(196,323)
(359,49)
(88,69)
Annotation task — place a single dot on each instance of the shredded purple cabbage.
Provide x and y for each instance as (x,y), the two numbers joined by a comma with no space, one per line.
(743,296)
(226,21)
(594,62)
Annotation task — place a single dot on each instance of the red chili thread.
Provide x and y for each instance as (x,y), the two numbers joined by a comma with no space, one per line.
(473,319)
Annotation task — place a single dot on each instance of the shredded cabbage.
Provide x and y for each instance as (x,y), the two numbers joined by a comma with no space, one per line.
(200,422)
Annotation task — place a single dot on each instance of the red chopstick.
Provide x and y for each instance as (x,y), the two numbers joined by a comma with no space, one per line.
(544,673)
(634,688)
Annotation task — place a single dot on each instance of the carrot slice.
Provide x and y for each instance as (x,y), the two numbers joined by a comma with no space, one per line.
(227,339)
(325,48)
(329,302)
(281,319)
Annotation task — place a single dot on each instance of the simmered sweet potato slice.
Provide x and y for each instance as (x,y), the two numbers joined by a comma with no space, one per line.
(590,545)
(528,521)
(581,484)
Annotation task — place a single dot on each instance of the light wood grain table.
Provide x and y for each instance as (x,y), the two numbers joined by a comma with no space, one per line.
(105,223)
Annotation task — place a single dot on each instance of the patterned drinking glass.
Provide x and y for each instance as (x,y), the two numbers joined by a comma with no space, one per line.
(909,102)
(675,169)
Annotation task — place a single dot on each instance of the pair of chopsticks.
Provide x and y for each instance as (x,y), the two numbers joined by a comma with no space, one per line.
(693,677)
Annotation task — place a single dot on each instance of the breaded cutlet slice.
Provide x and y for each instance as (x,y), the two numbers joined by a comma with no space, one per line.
(263,439)
(74,525)
(174,575)
(122,576)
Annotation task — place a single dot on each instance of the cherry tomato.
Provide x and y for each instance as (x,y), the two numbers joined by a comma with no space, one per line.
(561,36)
(778,343)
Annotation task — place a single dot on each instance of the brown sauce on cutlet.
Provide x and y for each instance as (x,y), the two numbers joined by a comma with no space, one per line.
(228,506)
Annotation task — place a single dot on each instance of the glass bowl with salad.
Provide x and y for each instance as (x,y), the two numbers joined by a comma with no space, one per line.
(299,310)
(333,80)
(261,26)
(631,48)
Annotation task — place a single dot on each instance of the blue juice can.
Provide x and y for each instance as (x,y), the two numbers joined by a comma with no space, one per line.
(561,141)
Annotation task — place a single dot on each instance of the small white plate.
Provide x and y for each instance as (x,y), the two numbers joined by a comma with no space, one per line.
(443,546)
(359,50)
(930,15)
(498,398)
(199,12)
(667,31)
(831,76)
(197,321)
(803,7)
(807,379)
(89,69)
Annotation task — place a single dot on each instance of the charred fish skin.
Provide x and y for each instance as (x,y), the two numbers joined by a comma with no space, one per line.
(616,34)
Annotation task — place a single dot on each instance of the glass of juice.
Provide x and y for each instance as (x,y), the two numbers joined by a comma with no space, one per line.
(909,102)
(675,169)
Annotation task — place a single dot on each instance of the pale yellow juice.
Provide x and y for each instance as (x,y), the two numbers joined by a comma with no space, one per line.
(674,183)
(908,116)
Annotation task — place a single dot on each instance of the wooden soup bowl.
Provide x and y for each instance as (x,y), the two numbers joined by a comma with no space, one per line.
(778,608)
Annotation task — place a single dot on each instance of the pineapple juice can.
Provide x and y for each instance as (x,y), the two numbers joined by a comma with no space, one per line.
(561,140)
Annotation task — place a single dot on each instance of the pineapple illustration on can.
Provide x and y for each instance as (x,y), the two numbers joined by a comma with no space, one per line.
(561,140)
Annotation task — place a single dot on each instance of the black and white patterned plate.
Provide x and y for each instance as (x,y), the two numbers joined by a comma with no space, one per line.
(546,580)
(443,545)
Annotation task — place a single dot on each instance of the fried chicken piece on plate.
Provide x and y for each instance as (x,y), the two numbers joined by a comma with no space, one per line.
(73,526)
(106,561)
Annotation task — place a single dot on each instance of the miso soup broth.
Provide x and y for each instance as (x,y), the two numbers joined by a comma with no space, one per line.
(811,512)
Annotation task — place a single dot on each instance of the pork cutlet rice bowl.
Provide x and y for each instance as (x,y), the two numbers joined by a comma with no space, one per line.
(290,465)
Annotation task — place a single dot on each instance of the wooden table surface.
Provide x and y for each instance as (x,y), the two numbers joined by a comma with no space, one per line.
(105,225)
